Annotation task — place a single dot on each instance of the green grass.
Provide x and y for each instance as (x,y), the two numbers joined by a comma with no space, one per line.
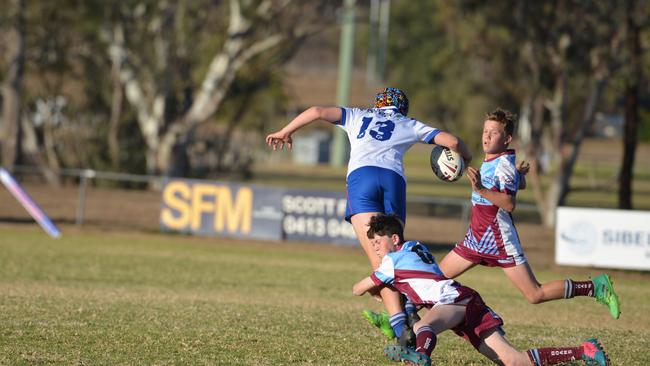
(102,298)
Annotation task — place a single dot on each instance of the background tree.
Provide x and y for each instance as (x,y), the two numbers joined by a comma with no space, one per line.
(636,13)
(167,84)
(444,76)
(65,107)
(550,61)
(13,47)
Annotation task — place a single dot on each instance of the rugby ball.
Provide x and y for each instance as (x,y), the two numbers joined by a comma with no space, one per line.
(446,164)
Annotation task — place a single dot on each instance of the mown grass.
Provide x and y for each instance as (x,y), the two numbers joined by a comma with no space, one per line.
(101,298)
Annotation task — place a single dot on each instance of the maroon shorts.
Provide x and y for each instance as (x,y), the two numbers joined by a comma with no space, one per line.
(489,260)
(479,318)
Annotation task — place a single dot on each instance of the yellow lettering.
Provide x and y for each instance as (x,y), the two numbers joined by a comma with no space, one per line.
(175,196)
(200,204)
(234,217)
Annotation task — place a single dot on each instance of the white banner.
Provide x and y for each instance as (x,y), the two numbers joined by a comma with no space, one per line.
(603,238)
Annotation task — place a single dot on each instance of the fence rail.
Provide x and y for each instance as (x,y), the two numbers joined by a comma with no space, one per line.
(426,205)
(85,176)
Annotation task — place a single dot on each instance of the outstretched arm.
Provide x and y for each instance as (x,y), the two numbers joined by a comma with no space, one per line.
(278,139)
(452,142)
(363,286)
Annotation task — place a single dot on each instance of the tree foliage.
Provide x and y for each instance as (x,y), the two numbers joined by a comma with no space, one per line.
(166,87)
(551,61)
(174,87)
(139,77)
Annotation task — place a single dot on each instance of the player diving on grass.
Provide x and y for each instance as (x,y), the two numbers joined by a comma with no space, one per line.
(492,239)
(411,269)
(379,137)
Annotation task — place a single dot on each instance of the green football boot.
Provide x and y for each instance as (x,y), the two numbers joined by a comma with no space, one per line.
(381,321)
(604,294)
(594,354)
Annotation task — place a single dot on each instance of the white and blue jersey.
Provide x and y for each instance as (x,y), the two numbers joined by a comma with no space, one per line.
(413,271)
(492,231)
(379,138)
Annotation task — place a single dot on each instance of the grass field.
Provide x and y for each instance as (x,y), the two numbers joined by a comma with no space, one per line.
(110,298)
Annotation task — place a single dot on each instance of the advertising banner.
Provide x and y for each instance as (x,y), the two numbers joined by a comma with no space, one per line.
(246,211)
(316,216)
(603,238)
(223,209)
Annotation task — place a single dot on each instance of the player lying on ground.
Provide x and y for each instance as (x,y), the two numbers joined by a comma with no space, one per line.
(411,269)
(379,137)
(492,239)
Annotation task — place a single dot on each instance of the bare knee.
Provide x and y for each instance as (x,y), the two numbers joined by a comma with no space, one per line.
(534,294)
(534,297)
(417,325)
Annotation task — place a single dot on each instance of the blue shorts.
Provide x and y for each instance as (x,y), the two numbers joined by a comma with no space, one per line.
(375,189)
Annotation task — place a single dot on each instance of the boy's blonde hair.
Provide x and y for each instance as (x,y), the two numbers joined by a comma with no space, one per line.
(504,117)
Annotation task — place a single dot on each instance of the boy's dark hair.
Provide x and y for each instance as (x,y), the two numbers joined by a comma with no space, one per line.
(385,225)
(504,117)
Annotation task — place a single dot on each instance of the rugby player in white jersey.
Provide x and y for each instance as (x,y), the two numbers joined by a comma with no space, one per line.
(376,183)
(410,268)
(492,238)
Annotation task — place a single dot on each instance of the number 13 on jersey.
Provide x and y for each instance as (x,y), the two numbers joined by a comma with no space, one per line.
(381,130)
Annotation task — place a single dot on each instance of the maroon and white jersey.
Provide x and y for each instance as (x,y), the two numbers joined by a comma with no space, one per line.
(492,233)
(413,271)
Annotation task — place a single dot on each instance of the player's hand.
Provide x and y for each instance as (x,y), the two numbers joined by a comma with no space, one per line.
(278,140)
(474,179)
(523,168)
(466,161)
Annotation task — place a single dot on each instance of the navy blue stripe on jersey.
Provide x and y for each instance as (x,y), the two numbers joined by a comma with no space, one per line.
(431,136)
(343,117)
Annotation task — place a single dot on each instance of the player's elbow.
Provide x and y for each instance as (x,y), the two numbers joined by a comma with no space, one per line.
(447,140)
(315,112)
(506,207)
(522,184)
(329,114)
(509,204)
(357,290)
